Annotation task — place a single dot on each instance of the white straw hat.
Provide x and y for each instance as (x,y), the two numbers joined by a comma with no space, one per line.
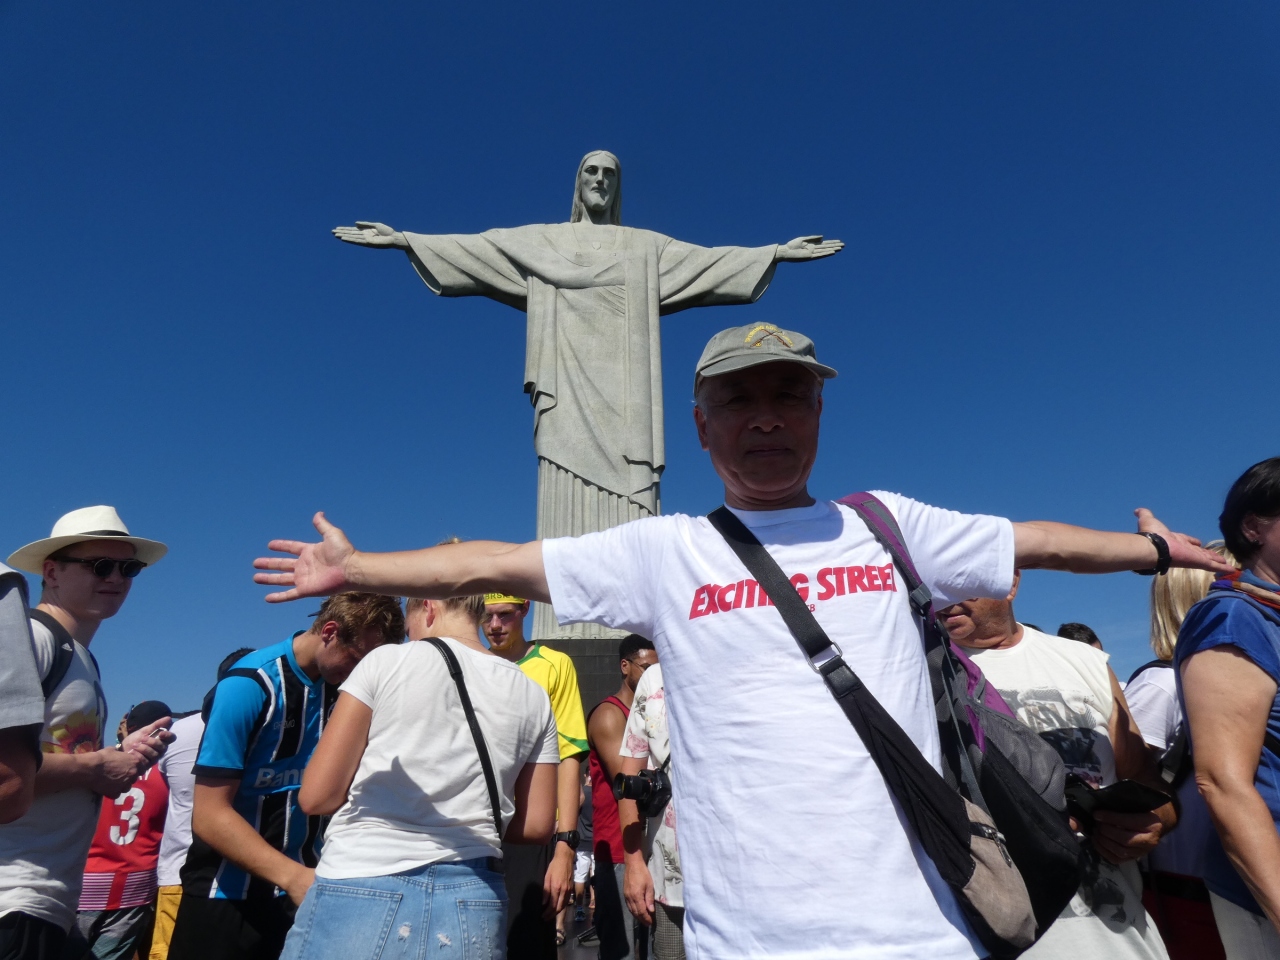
(87,523)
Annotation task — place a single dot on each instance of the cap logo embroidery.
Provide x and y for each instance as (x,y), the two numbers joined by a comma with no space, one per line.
(767,331)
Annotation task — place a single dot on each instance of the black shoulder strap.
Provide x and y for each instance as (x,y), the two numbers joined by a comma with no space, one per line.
(935,811)
(206,708)
(1149,665)
(491,781)
(64,651)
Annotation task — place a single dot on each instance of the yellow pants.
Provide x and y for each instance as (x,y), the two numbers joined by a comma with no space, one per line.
(167,901)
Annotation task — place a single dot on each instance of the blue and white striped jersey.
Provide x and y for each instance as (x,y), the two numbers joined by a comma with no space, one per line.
(265,722)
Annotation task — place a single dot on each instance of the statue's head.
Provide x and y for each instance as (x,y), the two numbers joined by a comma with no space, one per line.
(598,189)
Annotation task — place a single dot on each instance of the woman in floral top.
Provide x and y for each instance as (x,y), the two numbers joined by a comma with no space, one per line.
(654,890)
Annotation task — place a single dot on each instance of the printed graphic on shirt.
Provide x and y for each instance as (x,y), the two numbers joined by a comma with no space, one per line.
(826,583)
(121,868)
(81,732)
(1069,722)
(76,711)
(647,735)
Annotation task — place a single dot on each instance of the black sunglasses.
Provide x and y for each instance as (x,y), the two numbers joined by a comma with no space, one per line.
(102,566)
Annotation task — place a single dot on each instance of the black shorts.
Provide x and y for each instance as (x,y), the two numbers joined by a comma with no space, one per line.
(209,929)
(24,937)
(529,936)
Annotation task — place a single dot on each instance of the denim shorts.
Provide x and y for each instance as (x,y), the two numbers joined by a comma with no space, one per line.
(449,911)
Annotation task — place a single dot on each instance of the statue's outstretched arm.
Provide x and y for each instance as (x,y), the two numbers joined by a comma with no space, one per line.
(805,248)
(367,233)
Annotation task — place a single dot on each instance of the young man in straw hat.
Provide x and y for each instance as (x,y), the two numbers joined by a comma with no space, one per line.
(531,931)
(86,566)
(836,873)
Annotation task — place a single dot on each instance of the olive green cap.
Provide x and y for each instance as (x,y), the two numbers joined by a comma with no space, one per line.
(740,347)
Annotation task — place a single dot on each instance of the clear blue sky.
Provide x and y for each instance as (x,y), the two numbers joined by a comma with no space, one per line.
(1058,297)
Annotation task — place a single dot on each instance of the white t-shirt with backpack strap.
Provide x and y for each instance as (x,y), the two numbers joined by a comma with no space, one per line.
(790,843)
(42,855)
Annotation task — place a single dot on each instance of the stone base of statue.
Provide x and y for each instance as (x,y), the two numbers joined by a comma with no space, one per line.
(569,506)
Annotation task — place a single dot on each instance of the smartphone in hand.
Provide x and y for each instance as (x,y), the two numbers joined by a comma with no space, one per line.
(1123,796)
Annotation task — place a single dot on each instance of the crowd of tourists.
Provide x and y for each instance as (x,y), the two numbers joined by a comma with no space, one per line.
(418,777)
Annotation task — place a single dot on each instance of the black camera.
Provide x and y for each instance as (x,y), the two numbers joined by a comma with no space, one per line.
(650,789)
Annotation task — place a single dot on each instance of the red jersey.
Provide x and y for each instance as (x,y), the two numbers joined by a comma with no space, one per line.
(605,826)
(121,870)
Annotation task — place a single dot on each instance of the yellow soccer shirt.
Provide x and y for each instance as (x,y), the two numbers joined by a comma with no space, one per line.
(554,672)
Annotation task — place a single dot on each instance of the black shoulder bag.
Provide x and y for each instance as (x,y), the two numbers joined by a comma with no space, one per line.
(957,833)
(491,781)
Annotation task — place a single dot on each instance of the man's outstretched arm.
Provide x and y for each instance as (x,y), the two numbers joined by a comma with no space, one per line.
(1044,545)
(435,573)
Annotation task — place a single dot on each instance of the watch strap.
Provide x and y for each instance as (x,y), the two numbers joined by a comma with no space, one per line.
(1162,555)
(570,838)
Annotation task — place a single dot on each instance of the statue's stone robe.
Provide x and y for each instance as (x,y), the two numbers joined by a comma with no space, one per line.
(593,364)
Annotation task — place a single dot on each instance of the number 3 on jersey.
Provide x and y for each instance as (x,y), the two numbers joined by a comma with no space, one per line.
(130,805)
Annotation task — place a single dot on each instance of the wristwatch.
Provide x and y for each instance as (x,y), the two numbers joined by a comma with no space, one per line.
(1162,555)
(569,838)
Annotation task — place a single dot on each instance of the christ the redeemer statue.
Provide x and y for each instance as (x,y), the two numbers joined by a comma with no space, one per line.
(593,291)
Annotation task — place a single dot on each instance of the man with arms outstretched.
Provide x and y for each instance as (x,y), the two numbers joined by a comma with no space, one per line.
(834,838)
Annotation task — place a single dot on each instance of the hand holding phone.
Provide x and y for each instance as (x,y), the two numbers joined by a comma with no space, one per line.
(1123,796)
(1119,818)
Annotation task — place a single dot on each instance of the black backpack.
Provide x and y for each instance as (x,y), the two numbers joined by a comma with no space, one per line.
(64,652)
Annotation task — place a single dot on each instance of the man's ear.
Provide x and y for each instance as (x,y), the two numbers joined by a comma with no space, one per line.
(1017,579)
(429,611)
(524,609)
(329,632)
(700,421)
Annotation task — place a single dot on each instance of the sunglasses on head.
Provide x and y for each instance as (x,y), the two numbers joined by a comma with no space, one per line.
(102,566)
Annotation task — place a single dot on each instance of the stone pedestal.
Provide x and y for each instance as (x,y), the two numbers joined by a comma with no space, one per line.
(569,506)
(597,664)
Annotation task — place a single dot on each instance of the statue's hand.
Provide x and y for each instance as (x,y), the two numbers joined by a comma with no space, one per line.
(369,234)
(809,248)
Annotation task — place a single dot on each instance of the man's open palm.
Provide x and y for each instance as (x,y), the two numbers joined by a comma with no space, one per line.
(315,570)
(1184,550)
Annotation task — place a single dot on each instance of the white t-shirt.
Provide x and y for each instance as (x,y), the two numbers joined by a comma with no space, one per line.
(1153,701)
(419,794)
(646,736)
(42,855)
(790,843)
(1062,690)
(176,766)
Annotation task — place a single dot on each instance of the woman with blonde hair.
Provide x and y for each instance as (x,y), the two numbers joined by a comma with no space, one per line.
(1174,891)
